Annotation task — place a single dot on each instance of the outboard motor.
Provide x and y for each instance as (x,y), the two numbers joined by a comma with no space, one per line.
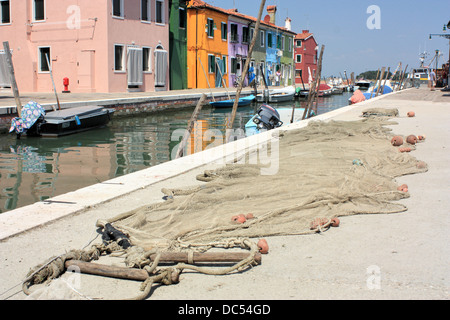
(267,118)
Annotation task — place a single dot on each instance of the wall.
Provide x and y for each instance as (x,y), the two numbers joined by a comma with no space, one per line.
(81,36)
(132,31)
(200,45)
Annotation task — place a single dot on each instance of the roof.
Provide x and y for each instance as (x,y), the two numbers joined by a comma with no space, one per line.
(234,12)
(304,35)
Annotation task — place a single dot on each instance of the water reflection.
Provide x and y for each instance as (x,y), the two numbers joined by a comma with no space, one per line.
(35,169)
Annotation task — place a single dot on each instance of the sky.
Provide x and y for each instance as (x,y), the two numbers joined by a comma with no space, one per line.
(359,37)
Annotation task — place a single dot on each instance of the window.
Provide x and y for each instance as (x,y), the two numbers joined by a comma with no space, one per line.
(38,10)
(298,43)
(159,11)
(182,18)
(147,59)
(234,65)
(252,33)
(283,41)
(245,35)
(290,44)
(234,32)
(225,66)
(262,37)
(119,57)
(117,8)
(211,63)
(298,58)
(44,54)
(224,31)
(145,10)
(269,40)
(210,28)
(4,12)
(278,42)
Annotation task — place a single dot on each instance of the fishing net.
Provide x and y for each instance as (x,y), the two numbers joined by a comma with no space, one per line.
(322,171)
(326,170)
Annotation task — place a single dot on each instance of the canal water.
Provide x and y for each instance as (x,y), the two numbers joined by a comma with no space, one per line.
(35,169)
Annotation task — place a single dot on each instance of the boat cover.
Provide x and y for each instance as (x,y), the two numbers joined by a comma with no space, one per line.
(31,112)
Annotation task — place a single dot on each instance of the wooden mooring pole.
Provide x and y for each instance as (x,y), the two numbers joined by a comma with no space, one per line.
(190,126)
(314,85)
(12,77)
(244,73)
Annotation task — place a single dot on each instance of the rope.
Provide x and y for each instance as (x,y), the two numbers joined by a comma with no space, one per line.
(55,267)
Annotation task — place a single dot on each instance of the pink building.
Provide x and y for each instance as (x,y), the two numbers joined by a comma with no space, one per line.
(99,45)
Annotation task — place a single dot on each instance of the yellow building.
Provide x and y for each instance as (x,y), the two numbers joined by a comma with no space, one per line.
(207,45)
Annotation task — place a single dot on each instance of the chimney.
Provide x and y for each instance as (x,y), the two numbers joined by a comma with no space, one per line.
(287,24)
(305,31)
(272,10)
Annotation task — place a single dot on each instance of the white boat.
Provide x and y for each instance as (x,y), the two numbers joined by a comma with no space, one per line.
(277,95)
(363,84)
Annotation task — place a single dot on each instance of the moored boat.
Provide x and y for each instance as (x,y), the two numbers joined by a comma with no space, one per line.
(244,101)
(277,95)
(34,121)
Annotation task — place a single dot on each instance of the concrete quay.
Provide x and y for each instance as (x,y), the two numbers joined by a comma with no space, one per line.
(369,257)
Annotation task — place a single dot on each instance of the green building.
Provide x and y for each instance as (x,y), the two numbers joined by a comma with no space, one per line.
(178,44)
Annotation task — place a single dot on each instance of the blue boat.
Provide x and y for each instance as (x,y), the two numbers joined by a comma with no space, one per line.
(244,101)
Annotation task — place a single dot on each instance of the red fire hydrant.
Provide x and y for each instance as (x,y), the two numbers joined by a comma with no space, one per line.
(66,85)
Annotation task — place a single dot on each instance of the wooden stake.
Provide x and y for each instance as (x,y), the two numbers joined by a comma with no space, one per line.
(191,123)
(381,77)
(313,88)
(403,78)
(12,77)
(207,81)
(112,271)
(247,63)
(376,81)
(385,79)
(218,257)
(51,75)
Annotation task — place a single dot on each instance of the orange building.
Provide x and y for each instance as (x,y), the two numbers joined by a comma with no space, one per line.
(207,45)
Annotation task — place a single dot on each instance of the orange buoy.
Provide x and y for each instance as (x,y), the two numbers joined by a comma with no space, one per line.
(420,138)
(397,141)
(318,222)
(239,218)
(335,222)
(421,165)
(411,114)
(263,246)
(403,188)
(411,139)
(249,216)
(406,149)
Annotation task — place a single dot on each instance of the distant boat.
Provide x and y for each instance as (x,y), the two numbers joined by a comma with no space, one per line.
(278,95)
(268,117)
(244,101)
(363,84)
(325,90)
(34,121)
(371,93)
